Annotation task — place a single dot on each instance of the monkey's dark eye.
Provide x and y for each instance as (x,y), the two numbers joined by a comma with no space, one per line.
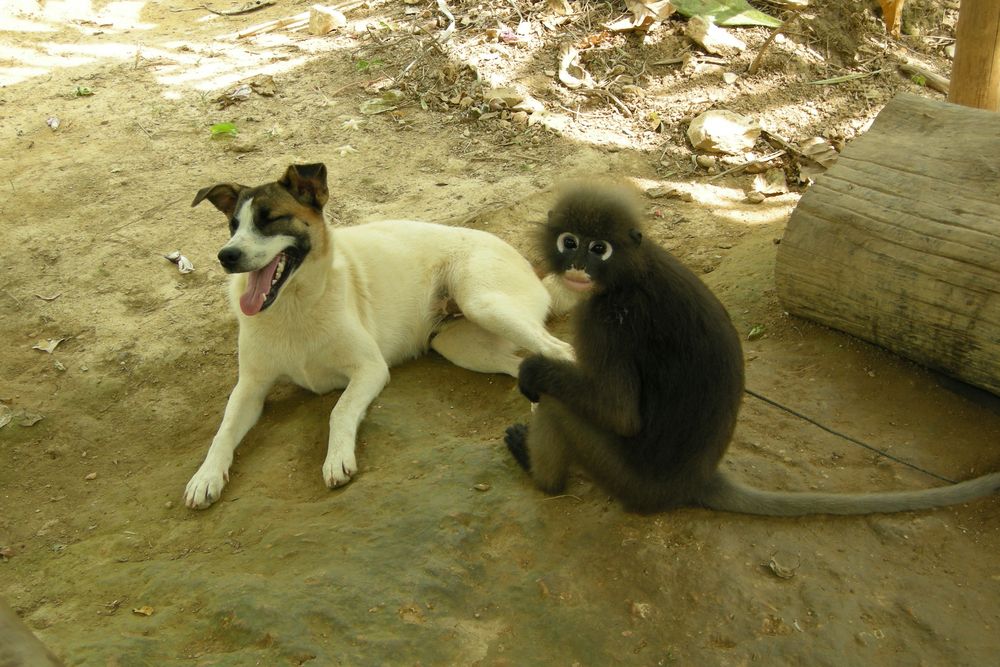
(567,242)
(600,248)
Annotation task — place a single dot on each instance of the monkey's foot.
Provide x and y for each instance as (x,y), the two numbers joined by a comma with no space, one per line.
(517,442)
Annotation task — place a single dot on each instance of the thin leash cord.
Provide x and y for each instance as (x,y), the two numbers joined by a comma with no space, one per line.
(846,437)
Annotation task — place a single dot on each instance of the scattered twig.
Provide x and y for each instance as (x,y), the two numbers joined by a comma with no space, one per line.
(343,88)
(16,300)
(774,33)
(276,24)
(609,95)
(930,79)
(139,125)
(245,9)
(668,61)
(565,495)
(741,167)
(516,9)
(791,148)
(845,78)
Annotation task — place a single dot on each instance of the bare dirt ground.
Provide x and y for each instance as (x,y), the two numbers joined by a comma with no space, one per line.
(414,563)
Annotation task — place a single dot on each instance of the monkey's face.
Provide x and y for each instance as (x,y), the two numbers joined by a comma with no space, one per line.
(581,260)
(592,237)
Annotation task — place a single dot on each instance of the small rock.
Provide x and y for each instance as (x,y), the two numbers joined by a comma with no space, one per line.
(755,197)
(705,161)
(771,182)
(324,19)
(91,476)
(529,104)
(482,486)
(633,91)
(712,38)
(720,131)
(658,191)
(505,97)
(730,77)
(169,505)
(520,118)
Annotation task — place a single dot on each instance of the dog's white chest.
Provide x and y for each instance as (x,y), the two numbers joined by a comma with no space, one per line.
(316,363)
(317,377)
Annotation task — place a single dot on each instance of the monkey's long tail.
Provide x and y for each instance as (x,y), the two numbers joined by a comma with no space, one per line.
(727,494)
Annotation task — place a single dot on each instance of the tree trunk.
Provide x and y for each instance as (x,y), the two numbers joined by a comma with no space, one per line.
(899,242)
(975,75)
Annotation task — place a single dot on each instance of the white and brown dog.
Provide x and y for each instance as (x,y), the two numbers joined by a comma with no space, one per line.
(335,310)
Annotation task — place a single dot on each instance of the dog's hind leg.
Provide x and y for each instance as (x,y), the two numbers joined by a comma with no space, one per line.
(242,412)
(466,344)
(502,294)
(523,324)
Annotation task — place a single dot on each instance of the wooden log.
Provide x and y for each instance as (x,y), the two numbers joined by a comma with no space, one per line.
(975,75)
(899,243)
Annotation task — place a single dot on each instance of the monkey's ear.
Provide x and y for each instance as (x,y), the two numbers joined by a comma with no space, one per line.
(635,235)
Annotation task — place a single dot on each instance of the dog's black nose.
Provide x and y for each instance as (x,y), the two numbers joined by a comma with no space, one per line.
(230,257)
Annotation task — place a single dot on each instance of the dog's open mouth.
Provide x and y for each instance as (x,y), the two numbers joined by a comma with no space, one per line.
(263,284)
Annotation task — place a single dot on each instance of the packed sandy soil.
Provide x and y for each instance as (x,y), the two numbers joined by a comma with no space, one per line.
(440,552)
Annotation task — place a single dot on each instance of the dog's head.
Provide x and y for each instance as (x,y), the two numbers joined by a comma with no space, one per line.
(273,228)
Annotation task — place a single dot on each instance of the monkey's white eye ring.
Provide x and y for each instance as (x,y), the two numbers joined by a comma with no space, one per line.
(567,242)
(602,249)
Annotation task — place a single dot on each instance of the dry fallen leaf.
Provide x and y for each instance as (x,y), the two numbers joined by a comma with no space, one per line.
(49,298)
(28,418)
(644,16)
(820,150)
(145,610)
(571,73)
(6,415)
(49,346)
(779,570)
(184,265)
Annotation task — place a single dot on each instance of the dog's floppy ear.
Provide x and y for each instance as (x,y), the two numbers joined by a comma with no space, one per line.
(307,183)
(222,195)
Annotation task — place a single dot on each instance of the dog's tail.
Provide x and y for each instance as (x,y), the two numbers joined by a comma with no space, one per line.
(563,298)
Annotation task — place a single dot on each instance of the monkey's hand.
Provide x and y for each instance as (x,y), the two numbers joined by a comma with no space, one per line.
(530,377)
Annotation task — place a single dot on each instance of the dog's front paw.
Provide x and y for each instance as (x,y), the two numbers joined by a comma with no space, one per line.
(339,469)
(205,487)
(562,350)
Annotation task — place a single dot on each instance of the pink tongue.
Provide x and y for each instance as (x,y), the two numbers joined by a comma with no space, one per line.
(258,284)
